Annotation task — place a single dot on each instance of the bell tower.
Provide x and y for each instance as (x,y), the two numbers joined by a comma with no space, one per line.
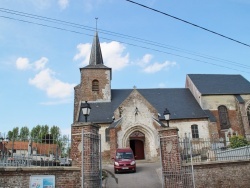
(95,79)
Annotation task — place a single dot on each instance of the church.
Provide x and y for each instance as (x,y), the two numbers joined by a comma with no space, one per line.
(210,106)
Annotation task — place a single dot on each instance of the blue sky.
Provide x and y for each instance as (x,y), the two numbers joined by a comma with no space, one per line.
(39,65)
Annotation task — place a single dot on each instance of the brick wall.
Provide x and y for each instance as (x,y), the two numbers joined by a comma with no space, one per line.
(76,136)
(113,142)
(231,174)
(83,92)
(20,177)
(234,120)
(89,147)
(170,157)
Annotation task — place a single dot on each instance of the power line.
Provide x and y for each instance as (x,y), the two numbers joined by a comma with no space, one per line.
(79,26)
(187,22)
(131,44)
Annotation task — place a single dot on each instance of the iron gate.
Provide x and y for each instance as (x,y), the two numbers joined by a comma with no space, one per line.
(174,173)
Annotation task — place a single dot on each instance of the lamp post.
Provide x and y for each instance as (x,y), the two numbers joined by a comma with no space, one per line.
(166,114)
(85,109)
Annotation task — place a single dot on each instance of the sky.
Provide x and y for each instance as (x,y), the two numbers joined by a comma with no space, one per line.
(43,43)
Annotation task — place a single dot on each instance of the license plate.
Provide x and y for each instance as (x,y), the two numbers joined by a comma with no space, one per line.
(124,168)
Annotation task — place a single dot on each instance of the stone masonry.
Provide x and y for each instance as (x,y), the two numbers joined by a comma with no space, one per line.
(90,148)
(170,157)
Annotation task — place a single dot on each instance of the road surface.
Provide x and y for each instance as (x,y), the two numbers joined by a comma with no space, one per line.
(148,175)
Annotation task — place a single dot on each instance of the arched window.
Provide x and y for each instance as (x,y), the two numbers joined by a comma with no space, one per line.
(95,85)
(195,131)
(107,136)
(223,115)
(248,113)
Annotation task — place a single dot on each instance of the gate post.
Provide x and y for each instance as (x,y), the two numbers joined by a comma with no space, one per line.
(85,152)
(113,142)
(170,158)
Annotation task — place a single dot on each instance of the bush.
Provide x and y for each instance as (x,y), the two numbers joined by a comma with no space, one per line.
(238,141)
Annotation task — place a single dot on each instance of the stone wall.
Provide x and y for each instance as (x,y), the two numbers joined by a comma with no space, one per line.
(230,174)
(13,177)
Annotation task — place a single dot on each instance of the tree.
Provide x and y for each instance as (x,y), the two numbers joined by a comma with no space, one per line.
(64,146)
(35,132)
(238,141)
(13,135)
(24,133)
(39,132)
(55,132)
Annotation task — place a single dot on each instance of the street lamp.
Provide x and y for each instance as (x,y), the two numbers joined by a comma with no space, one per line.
(85,109)
(166,114)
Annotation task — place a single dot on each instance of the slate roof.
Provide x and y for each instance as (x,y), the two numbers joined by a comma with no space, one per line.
(220,84)
(96,60)
(180,103)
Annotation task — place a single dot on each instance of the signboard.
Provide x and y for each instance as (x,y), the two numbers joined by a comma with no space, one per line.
(42,181)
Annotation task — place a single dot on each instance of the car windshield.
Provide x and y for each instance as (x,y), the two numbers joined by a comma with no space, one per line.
(124,155)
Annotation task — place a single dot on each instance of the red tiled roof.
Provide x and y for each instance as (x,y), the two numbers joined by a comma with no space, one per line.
(41,148)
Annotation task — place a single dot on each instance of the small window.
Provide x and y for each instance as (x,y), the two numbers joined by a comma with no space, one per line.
(223,115)
(107,135)
(248,114)
(195,131)
(95,85)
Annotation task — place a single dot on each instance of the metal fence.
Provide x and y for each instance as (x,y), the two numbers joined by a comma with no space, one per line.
(203,150)
(35,152)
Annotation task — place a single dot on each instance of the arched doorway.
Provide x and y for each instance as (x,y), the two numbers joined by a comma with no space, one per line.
(136,141)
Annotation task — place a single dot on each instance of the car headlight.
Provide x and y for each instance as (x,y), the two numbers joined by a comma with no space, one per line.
(116,164)
(132,163)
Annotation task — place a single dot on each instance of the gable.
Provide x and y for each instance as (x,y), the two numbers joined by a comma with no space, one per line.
(135,104)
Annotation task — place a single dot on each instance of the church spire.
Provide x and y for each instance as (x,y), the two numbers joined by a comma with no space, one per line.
(96,53)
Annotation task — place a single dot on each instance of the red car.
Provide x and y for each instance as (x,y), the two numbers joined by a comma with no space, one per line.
(124,160)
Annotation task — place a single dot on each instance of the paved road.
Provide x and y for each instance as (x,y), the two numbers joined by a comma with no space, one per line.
(147,176)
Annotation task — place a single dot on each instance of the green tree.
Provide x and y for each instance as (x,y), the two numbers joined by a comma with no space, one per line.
(10,135)
(13,135)
(64,146)
(35,132)
(238,141)
(55,132)
(24,133)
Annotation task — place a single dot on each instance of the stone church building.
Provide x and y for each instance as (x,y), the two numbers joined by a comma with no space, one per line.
(208,107)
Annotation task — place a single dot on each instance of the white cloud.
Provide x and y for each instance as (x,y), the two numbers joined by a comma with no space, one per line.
(84,53)
(53,87)
(145,60)
(155,67)
(40,64)
(112,53)
(45,80)
(63,3)
(23,63)
(148,67)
